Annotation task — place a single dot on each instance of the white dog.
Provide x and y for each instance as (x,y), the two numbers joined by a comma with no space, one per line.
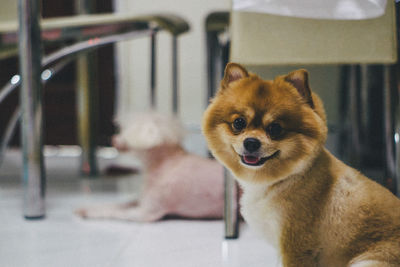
(175,181)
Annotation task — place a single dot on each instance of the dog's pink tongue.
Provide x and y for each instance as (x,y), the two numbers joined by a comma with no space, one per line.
(251,159)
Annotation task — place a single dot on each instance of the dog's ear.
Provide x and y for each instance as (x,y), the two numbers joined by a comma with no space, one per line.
(233,72)
(299,79)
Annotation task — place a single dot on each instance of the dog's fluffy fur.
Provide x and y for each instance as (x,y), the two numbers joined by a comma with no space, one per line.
(316,210)
(175,182)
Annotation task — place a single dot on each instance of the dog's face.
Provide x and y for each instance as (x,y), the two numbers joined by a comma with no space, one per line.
(262,130)
(143,131)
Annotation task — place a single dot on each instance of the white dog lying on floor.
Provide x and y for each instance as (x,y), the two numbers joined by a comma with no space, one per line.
(175,182)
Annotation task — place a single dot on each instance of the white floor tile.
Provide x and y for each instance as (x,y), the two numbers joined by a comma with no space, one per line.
(62,239)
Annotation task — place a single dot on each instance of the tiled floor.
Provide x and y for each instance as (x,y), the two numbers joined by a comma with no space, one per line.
(62,239)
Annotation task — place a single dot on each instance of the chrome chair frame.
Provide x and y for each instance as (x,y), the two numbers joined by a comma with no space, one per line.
(96,31)
(217,58)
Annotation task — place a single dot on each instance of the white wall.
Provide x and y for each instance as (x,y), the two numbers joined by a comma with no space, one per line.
(134,59)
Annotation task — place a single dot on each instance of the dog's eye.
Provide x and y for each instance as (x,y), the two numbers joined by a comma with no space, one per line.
(239,124)
(274,130)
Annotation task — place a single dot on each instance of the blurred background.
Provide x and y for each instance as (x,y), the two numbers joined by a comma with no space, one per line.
(124,73)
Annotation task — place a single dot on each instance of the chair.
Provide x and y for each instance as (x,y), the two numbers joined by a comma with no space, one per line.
(83,33)
(259,40)
(216,26)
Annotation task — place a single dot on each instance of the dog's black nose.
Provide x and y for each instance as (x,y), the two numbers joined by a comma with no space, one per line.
(251,144)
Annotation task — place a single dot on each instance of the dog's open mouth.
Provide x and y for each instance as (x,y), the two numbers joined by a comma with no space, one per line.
(256,161)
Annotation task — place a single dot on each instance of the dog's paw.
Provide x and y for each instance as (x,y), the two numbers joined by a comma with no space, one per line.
(96,212)
(92,213)
(82,212)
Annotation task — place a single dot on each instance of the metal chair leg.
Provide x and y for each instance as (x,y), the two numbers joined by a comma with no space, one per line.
(87,98)
(389,87)
(217,58)
(175,89)
(212,69)
(231,210)
(354,95)
(397,149)
(8,133)
(153,73)
(231,186)
(30,52)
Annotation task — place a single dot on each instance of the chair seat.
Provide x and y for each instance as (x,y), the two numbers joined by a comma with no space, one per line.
(88,26)
(261,39)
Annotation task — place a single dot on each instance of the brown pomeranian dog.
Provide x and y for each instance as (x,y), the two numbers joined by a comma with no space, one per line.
(312,207)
